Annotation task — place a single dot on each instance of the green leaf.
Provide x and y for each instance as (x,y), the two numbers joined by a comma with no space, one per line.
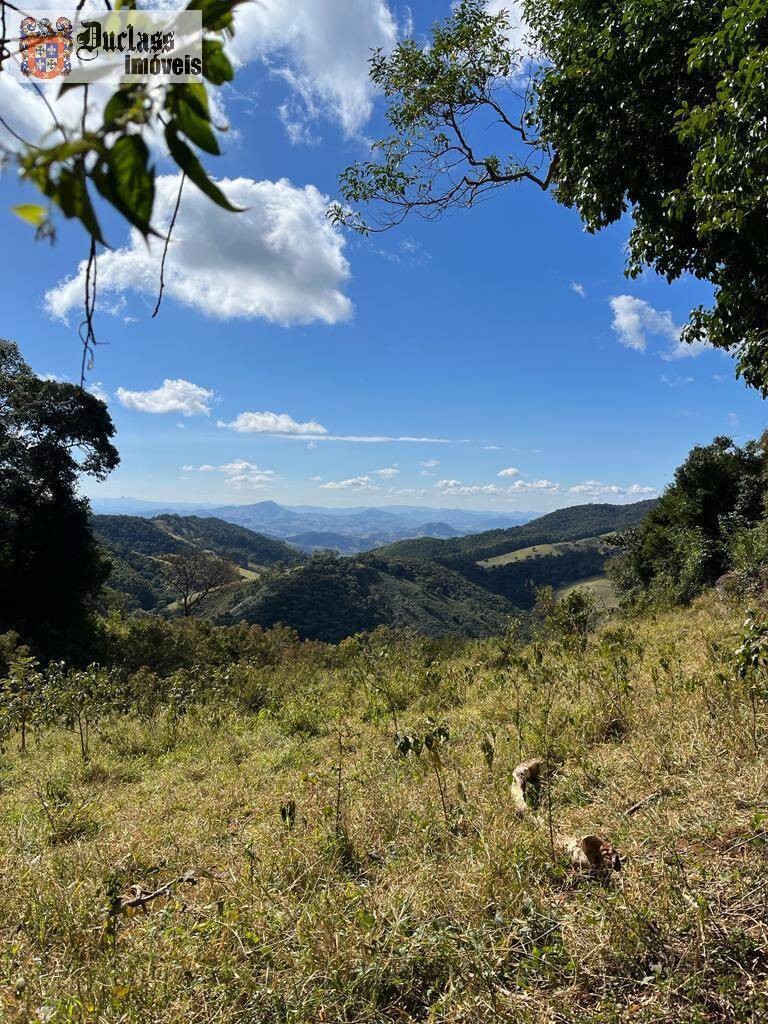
(192,167)
(216,65)
(217,14)
(71,195)
(32,214)
(133,180)
(192,118)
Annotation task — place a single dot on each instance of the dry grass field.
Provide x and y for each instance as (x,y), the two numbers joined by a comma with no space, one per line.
(287,862)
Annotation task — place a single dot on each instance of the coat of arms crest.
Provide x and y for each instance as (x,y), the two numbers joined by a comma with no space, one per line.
(45,50)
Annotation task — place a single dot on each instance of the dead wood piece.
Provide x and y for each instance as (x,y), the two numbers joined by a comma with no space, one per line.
(651,798)
(524,775)
(590,853)
(140,897)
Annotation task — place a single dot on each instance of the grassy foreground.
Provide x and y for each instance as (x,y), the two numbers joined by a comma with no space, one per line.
(289,864)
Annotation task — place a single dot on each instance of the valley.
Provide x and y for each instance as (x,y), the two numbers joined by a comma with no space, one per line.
(466,587)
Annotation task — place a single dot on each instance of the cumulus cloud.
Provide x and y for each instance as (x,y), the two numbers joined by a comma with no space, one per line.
(457,488)
(280,259)
(388,473)
(173,396)
(578,288)
(596,488)
(239,474)
(271,423)
(510,471)
(321,49)
(355,483)
(428,463)
(25,111)
(635,320)
(640,489)
(543,486)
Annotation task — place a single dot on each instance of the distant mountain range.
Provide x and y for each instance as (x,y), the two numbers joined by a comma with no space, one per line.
(465,585)
(310,528)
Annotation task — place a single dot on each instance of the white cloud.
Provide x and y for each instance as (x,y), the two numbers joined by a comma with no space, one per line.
(545,486)
(634,320)
(511,471)
(173,396)
(639,489)
(356,483)
(98,390)
(240,474)
(271,423)
(578,288)
(388,473)
(25,111)
(283,425)
(490,448)
(457,488)
(676,382)
(428,463)
(279,259)
(596,488)
(321,48)
(685,350)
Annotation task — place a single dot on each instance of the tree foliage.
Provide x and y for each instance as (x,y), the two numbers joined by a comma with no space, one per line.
(653,109)
(687,541)
(50,566)
(106,160)
(196,575)
(441,102)
(113,159)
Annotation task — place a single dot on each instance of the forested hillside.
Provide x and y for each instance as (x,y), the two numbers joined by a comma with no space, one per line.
(572,523)
(434,588)
(331,598)
(136,545)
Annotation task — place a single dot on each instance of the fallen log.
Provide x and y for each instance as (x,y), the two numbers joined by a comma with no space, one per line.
(140,897)
(526,774)
(589,853)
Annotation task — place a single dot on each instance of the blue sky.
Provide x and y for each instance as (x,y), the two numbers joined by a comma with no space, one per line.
(298,359)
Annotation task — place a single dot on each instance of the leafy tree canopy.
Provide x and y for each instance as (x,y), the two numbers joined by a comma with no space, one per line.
(50,566)
(107,159)
(656,109)
(685,542)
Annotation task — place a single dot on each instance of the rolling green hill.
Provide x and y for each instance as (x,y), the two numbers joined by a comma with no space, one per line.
(134,544)
(330,598)
(566,524)
(452,592)
(599,544)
